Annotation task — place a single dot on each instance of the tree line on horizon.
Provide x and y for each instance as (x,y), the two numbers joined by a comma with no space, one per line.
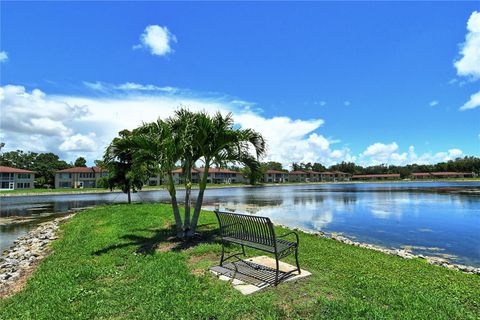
(466,164)
(46,164)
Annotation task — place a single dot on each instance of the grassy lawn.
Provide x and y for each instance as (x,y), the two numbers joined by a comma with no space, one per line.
(119,262)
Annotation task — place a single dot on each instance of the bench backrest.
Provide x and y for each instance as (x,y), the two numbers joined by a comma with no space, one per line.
(246,228)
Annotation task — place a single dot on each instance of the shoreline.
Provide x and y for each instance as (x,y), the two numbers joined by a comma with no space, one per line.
(224,186)
(21,259)
(402,253)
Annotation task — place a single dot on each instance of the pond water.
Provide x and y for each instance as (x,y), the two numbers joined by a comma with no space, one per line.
(441,219)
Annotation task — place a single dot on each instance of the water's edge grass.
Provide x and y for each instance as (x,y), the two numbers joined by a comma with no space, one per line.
(120,262)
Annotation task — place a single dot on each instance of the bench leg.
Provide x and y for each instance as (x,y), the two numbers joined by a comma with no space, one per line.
(296,260)
(223,254)
(276,271)
(243,250)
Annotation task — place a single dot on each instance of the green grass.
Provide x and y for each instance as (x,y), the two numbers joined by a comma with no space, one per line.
(117,262)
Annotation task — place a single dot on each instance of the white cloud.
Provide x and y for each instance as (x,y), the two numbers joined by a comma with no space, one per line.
(127,86)
(132,86)
(433,103)
(473,103)
(79,142)
(469,63)
(73,125)
(98,86)
(3,56)
(380,149)
(157,39)
(380,153)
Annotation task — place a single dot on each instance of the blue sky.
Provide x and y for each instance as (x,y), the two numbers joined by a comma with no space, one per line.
(327,82)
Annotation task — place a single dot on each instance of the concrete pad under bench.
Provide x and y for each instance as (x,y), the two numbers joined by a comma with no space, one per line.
(254,274)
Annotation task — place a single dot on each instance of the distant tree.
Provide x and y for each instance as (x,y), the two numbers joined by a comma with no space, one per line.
(18,159)
(318,167)
(45,165)
(295,166)
(272,165)
(99,163)
(347,167)
(123,172)
(80,162)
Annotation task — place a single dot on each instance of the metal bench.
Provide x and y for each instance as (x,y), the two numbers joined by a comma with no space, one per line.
(258,233)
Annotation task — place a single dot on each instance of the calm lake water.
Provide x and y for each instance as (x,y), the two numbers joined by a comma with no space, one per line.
(441,219)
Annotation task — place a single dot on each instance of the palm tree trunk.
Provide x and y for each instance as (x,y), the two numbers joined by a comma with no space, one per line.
(198,204)
(188,200)
(176,211)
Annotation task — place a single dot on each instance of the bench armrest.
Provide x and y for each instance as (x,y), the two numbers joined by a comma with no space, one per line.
(289,233)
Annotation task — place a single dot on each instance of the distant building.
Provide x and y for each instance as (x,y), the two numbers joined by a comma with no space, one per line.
(443,175)
(386,176)
(335,176)
(155,180)
(79,177)
(298,176)
(314,176)
(275,176)
(13,178)
(215,175)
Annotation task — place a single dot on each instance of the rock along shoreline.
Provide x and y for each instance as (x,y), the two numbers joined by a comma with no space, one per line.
(20,260)
(403,253)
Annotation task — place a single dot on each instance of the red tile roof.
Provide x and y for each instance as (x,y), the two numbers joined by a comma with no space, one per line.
(275,172)
(13,170)
(81,170)
(298,172)
(210,170)
(386,175)
(420,174)
(449,173)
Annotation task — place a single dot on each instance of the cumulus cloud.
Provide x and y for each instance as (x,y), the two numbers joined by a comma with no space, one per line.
(79,142)
(469,63)
(380,153)
(33,121)
(473,103)
(3,56)
(157,39)
(79,125)
(433,103)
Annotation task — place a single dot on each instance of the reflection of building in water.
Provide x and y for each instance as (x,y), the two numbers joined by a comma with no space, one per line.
(310,199)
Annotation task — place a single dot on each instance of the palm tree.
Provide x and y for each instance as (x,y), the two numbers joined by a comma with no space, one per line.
(157,143)
(185,139)
(218,142)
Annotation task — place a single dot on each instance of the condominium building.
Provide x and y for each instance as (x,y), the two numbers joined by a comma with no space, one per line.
(13,178)
(79,177)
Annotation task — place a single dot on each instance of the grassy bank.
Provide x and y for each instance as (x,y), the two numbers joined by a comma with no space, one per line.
(120,262)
